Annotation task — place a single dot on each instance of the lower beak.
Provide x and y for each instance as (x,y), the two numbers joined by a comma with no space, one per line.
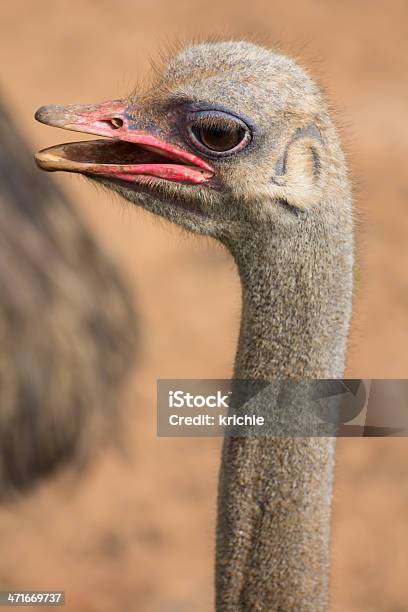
(125,152)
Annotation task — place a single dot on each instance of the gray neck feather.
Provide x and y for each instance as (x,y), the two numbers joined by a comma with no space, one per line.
(273,530)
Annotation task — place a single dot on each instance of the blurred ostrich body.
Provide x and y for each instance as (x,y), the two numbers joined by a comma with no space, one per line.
(278,198)
(66,322)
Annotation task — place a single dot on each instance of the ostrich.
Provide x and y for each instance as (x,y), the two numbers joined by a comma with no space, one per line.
(66,339)
(235,142)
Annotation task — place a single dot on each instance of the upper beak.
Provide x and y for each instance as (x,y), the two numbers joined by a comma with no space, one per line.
(125,153)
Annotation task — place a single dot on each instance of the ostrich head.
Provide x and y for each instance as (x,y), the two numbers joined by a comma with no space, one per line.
(229,136)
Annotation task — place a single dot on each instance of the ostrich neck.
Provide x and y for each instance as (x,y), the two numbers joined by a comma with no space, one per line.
(275,493)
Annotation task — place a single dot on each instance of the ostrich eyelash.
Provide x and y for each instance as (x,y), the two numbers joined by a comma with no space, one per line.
(215,122)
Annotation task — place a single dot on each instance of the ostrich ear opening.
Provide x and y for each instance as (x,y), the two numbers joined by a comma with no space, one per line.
(298,171)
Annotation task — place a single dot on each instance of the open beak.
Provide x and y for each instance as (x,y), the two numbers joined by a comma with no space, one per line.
(125,152)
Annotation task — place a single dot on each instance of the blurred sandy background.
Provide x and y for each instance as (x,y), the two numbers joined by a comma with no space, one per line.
(136,533)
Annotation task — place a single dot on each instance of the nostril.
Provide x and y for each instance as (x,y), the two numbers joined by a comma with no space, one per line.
(116,122)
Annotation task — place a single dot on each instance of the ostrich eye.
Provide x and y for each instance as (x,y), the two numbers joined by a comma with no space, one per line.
(218,133)
(219,138)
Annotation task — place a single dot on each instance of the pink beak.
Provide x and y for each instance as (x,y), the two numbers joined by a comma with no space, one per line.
(126,152)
